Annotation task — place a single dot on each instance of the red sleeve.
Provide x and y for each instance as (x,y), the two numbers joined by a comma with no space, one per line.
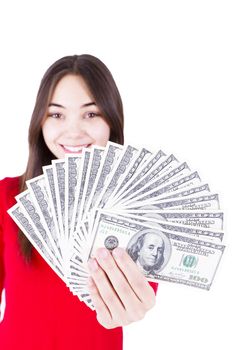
(1,264)
(154,285)
(1,244)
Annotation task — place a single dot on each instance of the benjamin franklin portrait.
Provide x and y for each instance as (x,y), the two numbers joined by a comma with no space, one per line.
(150,249)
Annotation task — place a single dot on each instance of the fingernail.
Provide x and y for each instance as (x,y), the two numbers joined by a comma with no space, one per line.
(102,253)
(92,264)
(118,252)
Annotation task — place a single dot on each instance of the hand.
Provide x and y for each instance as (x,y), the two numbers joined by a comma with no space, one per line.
(120,292)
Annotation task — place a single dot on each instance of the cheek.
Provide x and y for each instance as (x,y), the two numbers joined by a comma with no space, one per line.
(101,133)
(48,131)
(45,133)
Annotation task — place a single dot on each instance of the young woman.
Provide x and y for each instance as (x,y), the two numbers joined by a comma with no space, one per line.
(78,105)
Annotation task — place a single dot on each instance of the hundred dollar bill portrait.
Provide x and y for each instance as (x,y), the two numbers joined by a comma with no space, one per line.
(151,250)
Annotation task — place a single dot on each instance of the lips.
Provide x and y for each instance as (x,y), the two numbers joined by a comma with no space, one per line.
(74,149)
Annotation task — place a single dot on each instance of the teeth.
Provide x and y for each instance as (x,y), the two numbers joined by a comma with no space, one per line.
(74,148)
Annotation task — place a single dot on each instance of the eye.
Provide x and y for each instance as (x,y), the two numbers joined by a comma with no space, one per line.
(90,115)
(55,115)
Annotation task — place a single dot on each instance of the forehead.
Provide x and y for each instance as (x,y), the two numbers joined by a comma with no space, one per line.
(71,87)
(151,238)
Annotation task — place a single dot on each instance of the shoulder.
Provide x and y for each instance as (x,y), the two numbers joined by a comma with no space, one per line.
(9,188)
(9,182)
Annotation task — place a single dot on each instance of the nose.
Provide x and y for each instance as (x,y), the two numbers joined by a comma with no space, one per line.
(75,127)
(155,252)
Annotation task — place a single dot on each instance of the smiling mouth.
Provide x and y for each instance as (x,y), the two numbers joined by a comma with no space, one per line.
(74,149)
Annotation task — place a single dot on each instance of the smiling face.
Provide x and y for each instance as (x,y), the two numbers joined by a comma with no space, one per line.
(73,120)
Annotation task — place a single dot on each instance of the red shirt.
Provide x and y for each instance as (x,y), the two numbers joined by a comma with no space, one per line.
(41,313)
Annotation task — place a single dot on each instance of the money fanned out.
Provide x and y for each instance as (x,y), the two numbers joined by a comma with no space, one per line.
(151,204)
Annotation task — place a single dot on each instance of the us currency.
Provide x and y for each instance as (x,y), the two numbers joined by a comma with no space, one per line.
(175,258)
(33,236)
(111,154)
(76,274)
(73,164)
(157,189)
(25,201)
(78,288)
(83,241)
(124,161)
(77,263)
(76,269)
(205,202)
(156,172)
(50,186)
(209,220)
(196,190)
(149,166)
(183,183)
(95,162)
(81,290)
(143,156)
(83,173)
(73,246)
(79,240)
(147,186)
(59,181)
(38,191)
(193,231)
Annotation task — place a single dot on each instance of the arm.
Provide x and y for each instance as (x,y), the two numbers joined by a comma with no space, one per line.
(120,292)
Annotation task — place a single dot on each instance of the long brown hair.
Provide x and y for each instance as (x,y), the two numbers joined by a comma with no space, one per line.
(105,93)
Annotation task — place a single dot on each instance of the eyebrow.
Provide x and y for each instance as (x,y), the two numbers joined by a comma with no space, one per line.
(84,105)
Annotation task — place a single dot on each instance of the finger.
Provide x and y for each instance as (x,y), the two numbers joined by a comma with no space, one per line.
(135,277)
(103,314)
(127,296)
(106,291)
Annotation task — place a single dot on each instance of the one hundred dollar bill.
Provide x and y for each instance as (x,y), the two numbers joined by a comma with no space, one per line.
(124,161)
(159,254)
(142,158)
(33,236)
(59,181)
(199,190)
(80,189)
(146,190)
(210,220)
(194,231)
(92,173)
(110,157)
(39,195)
(73,164)
(156,166)
(205,202)
(157,193)
(30,212)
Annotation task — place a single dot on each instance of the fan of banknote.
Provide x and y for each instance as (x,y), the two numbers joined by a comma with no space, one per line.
(151,204)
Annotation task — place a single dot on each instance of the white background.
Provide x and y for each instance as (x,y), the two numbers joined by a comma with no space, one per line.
(173,64)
